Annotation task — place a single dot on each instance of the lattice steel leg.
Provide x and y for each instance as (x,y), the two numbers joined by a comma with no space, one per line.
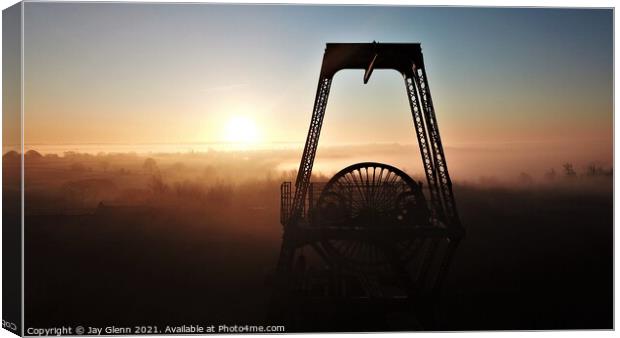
(445,184)
(312,140)
(443,268)
(427,260)
(412,86)
(286,259)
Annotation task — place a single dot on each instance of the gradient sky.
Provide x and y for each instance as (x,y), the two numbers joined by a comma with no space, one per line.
(176,73)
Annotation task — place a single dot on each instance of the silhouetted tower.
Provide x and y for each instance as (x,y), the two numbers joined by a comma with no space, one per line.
(383,238)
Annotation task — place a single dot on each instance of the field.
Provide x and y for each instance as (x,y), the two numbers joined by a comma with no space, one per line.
(173,239)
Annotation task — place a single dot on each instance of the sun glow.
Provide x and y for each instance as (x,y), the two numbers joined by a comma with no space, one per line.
(241,129)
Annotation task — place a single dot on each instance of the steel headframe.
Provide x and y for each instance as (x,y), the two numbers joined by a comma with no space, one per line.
(406,58)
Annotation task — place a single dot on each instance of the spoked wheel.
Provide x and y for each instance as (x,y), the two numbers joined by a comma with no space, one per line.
(367,195)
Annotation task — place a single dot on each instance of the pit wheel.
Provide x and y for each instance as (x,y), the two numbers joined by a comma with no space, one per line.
(370,195)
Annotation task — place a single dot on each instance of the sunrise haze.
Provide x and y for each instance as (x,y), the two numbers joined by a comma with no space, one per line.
(502,79)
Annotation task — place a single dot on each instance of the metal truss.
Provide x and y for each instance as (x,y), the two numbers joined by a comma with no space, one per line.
(391,56)
(406,59)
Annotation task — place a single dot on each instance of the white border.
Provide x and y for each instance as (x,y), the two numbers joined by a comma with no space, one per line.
(482,3)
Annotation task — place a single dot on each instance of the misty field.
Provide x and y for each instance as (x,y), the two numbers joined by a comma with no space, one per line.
(165,239)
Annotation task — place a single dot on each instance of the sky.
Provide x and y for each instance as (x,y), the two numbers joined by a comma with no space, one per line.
(99,73)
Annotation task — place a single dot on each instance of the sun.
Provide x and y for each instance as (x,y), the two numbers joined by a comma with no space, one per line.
(241,129)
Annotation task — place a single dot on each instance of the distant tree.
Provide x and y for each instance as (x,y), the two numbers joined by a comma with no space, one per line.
(190,190)
(104,165)
(150,166)
(11,156)
(157,184)
(569,171)
(594,170)
(33,155)
(52,156)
